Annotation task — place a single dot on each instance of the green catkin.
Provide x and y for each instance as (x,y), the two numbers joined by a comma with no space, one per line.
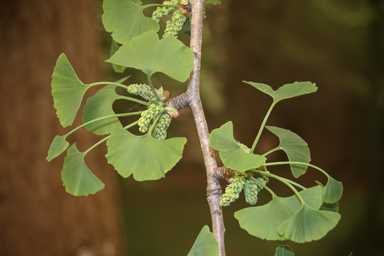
(232,192)
(250,192)
(163,11)
(251,189)
(145,91)
(175,25)
(149,115)
(262,181)
(162,126)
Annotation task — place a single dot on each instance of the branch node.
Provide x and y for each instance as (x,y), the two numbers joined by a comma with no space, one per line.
(179,102)
(222,172)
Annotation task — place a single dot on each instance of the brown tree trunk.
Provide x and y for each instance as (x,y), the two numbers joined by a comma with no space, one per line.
(37,216)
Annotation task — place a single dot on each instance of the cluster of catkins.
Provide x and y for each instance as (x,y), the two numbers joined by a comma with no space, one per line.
(154,110)
(163,11)
(238,183)
(149,115)
(174,25)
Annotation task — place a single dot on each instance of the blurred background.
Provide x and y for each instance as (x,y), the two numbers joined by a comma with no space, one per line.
(336,44)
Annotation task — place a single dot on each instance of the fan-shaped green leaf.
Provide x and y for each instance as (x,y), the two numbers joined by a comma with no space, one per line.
(149,54)
(311,196)
(295,147)
(263,221)
(295,89)
(284,250)
(126,20)
(286,91)
(263,88)
(205,244)
(332,191)
(308,224)
(114,48)
(231,154)
(100,105)
(144,156)
(67,91)
(77,178)
(58,146)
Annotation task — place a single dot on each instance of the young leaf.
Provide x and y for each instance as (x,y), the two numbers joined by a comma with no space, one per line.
(263,221)
(126,20)
(286,91)
(149,54)
(143,156)
(205,244)
(332,191)
(295,89)
(308,224)
(58,146)
(67,91)
(284,250)
(100,105)
(114,48)
(231,154)
(295,147)
(77,178)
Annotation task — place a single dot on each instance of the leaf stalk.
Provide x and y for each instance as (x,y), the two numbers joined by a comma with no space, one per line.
(262,126)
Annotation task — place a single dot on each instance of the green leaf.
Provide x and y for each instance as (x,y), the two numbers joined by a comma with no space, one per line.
(295,147)
(67,91)
(286,91)
(77,178)
(98,106)
(308,224)
(149,54)
(312,198)
(263,221)
(143,156)
(332,191)
(231,154)
(284,250)
(126,20)
(114,48)
(205,244)
(58,146)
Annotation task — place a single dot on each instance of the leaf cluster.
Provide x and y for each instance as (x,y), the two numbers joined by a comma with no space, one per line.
(299,218)
(309,214)
(136,45)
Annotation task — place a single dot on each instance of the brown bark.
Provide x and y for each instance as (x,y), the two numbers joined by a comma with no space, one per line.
(214,191)
(37,216)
